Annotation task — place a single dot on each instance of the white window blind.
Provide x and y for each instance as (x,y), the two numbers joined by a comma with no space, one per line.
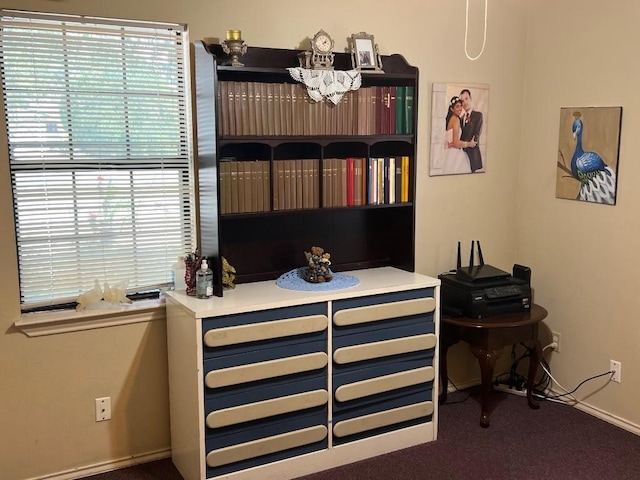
(99,134)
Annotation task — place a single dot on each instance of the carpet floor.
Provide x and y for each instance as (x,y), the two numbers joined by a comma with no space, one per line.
(554,442)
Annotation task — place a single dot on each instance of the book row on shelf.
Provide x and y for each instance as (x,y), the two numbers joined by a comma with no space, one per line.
(250,186)
(280,109)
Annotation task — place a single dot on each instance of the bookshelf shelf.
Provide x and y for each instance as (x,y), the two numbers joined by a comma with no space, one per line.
(279,173)
(274,140)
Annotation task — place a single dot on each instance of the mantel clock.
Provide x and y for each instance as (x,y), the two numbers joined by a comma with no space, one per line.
(322,51)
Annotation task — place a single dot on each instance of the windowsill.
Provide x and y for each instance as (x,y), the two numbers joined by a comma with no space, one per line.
(64,321)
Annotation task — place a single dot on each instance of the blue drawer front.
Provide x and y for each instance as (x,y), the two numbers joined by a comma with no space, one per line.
(380,299)
(234,395)
(421,390)
(284,343)
(380,431)
(377,369)
(343,374)
(266,427)
(267,353)
(385,402)
(258,430)
(261,317)
(386,330)
(264,316)
(339,332)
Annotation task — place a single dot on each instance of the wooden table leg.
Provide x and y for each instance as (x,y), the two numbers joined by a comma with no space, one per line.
(487,360)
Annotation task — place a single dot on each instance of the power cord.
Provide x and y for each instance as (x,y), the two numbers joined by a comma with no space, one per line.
(513,378)
(542,388)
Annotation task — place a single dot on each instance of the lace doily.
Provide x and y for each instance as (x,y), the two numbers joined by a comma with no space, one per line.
(327,84)
(294,280)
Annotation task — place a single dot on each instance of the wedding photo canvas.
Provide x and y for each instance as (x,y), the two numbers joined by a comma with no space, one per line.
(459,125)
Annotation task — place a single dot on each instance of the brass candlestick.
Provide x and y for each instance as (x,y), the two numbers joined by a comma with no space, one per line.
(235,47)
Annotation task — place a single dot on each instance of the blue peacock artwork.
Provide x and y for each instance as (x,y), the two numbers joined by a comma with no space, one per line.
(595,171)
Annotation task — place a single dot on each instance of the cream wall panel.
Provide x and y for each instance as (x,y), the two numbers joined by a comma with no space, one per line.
(585,258)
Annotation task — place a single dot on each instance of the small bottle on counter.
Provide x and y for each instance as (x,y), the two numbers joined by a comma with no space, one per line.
(204,281)
(178,271)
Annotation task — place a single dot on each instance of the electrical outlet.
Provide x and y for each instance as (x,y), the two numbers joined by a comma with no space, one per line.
(103,409)
(556,340)
(616,368)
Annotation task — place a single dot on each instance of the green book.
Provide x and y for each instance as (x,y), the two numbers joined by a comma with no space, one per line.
(400,108)
(409,110)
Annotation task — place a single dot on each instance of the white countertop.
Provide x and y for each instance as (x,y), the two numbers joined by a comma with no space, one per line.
(255,296)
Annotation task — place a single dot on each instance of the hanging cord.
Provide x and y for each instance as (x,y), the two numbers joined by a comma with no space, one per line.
(466,30)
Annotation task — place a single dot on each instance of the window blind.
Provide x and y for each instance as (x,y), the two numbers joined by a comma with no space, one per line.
(99,134)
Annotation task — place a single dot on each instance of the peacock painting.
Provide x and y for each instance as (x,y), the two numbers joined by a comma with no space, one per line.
(588,150)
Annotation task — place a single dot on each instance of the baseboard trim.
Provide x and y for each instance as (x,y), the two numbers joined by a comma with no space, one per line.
(462,386)
(584,407)
(107,466)
(609,418)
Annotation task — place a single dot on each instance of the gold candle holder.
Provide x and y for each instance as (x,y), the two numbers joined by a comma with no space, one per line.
(235,47)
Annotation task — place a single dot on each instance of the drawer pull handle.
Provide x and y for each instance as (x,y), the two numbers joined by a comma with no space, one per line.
(265,446)
(382,419)
(384,311)
(385,348)
(220,337)
(266,408)
(269,369)
(386,383)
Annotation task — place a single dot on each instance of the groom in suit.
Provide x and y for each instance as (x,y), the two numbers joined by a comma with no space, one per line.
(471,123)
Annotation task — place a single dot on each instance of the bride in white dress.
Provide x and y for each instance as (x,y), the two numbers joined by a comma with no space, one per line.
(455,159)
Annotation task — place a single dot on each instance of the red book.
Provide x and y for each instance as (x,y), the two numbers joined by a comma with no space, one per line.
(350,182)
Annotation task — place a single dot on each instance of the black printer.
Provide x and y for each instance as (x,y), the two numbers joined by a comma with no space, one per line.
(483,290)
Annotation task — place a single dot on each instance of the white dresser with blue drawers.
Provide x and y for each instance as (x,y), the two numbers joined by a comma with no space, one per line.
(270,383)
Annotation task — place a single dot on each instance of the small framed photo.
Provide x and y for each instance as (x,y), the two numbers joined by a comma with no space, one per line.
(364,53)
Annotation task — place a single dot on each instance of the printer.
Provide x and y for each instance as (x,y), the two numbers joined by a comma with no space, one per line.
(479,291)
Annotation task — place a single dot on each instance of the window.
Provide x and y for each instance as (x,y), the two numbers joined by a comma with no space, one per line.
(98,125)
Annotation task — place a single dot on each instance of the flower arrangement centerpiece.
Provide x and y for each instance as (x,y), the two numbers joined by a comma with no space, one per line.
(318,263)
